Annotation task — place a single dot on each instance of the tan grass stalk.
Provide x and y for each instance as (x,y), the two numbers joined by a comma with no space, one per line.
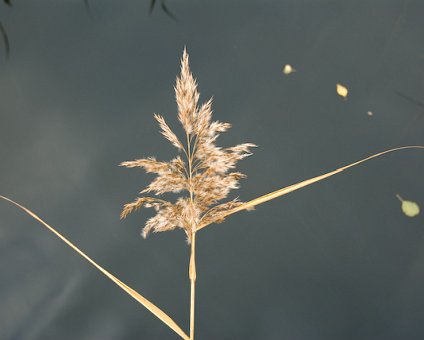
(192,275)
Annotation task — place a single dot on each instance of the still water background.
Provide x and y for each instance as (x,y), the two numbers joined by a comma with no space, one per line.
(336,260)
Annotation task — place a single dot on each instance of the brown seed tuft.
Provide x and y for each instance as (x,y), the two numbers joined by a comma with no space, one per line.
(205,174)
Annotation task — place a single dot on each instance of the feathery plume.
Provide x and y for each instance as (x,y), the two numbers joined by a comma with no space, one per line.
(204,176)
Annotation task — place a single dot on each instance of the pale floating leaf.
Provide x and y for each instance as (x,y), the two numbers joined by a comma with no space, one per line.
(370,113)
(288,69)
(409,208)
(342,91)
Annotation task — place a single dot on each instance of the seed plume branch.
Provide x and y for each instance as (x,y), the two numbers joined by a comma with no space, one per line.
(168,133)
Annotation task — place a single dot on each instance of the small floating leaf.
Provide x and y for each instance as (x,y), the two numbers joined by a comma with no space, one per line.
(341,90)
(409,208)
(370,113)
(287,69)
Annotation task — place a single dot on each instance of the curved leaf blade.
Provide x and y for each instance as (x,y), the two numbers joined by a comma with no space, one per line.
(135,295)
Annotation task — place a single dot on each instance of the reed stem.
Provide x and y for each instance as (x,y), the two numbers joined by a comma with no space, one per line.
(192,276)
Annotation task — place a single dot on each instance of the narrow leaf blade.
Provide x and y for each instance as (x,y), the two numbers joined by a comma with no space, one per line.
(138,297)
(284,191)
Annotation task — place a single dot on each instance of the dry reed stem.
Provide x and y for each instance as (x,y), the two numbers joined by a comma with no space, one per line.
(138,297)
(284,191)
(192,275)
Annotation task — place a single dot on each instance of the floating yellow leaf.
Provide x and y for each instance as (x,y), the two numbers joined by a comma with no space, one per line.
(287,69)
(341,90)
(409,208)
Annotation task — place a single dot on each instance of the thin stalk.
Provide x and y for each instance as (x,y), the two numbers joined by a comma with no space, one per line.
(190,165)
(192,275)
(399,198)
(192,265)
(195,146)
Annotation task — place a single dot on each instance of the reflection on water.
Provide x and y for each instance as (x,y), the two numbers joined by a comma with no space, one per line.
(163,6)
(5,38)
(4,35)
(153,3)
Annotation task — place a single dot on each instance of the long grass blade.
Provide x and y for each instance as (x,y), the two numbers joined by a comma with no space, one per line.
(138,297)
(284,191)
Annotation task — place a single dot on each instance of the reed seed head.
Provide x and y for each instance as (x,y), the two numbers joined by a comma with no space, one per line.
(205,175)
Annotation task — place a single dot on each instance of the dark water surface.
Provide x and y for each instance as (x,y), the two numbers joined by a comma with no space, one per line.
(337,260)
